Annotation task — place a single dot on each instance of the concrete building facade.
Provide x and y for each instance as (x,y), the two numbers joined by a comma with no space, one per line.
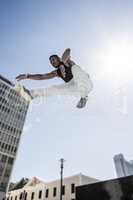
(13,110)
(114,189)
(36,189)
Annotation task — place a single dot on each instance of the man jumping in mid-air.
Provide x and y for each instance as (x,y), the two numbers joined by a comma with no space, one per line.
(77,81)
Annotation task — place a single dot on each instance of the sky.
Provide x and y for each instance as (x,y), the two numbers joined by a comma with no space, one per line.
(99,33)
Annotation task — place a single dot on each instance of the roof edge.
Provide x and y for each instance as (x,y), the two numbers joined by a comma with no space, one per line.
(6,80)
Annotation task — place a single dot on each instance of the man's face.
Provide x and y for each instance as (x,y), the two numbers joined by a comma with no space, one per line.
(55,61)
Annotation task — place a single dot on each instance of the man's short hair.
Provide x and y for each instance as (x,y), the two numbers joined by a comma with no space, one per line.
(54,56)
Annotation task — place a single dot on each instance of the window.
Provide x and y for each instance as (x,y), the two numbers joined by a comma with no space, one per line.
(15,150)
(47,192)
(54,192)
(21,195)
(12,148)
(9,147)
(1,170)
(40,194)
(10,160)
(63,190)
(72,188)
(6,147)
(32,195)
(4,158)
(7,172)
(2,145)
(25,196)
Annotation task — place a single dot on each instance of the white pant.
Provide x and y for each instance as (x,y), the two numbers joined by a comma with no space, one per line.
(80,85)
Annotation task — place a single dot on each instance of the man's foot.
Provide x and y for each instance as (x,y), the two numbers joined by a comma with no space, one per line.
(82,102)
(25,93)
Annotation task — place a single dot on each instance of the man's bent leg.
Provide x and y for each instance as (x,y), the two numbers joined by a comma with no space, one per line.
(84,84)
(82,80)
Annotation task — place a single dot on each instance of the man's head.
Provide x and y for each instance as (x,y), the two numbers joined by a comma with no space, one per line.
(55,60)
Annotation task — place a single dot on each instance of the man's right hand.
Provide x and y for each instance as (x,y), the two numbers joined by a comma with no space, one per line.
(21,77)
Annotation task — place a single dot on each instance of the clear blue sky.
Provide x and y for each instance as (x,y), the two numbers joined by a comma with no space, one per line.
(32,30)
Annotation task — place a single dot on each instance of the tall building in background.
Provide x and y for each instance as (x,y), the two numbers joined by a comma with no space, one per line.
(123,167)
(13,110)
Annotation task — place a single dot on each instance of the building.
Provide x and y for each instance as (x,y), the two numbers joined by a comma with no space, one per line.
(115,189)
(13,110)
(37,189)
(123,167)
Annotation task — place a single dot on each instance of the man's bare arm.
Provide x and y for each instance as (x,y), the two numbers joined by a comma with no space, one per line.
(66,55)
(46,76)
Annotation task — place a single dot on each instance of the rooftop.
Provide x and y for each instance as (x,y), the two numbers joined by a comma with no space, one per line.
(6,80)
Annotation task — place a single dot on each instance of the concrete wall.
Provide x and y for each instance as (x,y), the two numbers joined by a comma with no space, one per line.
(115,189)
(85,180)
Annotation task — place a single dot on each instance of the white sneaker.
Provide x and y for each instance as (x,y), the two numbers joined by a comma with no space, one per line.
(25,93)
(82,102)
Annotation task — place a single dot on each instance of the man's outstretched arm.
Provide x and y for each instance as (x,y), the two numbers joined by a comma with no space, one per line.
(46,76)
